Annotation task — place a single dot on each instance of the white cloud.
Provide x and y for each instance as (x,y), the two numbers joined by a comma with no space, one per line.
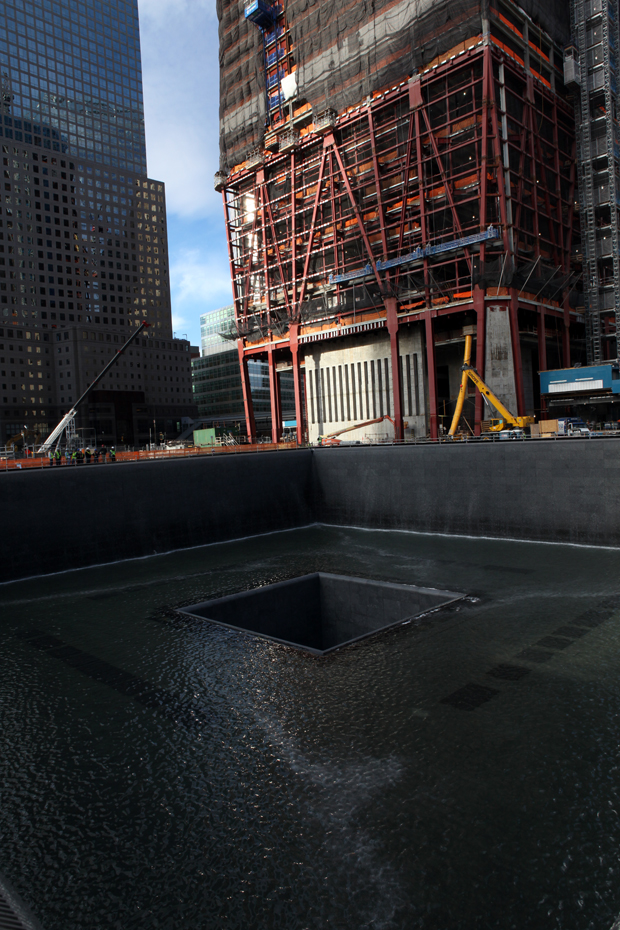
(199,283)
(180,67)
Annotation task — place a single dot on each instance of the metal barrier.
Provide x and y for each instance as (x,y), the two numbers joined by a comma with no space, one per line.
(152,455)
(147,455)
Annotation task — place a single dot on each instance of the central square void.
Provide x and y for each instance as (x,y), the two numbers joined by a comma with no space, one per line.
(321,612)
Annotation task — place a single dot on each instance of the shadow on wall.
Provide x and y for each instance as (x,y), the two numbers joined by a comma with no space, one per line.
(67,518)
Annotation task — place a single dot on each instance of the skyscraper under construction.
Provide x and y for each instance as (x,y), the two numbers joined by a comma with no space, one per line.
(392,173)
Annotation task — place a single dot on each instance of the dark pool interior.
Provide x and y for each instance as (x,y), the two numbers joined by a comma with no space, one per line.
(463,771)
(321,612)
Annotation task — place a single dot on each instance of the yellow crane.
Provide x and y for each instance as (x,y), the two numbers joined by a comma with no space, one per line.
(470,374)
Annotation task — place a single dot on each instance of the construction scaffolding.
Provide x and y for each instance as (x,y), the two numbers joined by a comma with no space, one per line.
(591,70)
(451,190)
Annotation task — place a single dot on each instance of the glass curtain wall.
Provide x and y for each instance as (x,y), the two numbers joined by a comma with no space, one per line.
(71,78)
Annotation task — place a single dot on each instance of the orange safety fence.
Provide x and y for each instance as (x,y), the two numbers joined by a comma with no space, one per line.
(150,455)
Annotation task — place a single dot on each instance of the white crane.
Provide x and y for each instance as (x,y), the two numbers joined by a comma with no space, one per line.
(67,421)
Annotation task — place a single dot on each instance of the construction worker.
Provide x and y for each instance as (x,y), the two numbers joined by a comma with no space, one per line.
(112,454)
(87,454)
(58,457)
(51,457)
(74,457)
(96,455)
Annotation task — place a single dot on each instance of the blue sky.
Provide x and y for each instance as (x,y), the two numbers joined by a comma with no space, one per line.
(181,102)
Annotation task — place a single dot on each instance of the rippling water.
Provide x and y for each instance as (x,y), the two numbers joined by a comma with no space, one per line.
(161,773)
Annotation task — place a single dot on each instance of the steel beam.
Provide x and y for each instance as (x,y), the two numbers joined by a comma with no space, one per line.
(248,406)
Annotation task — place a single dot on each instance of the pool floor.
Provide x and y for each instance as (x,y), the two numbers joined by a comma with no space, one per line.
(460,772)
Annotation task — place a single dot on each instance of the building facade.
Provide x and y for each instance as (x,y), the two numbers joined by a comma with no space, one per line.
(403,174)
(217,384)
(83,239)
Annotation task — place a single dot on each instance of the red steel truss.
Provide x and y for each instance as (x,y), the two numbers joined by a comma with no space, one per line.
(477,140)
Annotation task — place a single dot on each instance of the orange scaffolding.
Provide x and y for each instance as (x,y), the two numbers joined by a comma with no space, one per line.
(450,189)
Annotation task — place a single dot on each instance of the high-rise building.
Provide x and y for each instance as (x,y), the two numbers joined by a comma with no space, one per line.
(73,69)
(83,241)
(395,175)
(217,384)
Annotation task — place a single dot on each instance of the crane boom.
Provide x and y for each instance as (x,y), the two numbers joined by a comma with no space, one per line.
(470,374)
(54,436)
(348,429)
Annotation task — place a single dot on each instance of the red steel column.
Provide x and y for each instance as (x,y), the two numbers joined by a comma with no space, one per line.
(516,353)
(276,424)
(542,350)
(481,329)
(566,333)
(293,337)
(392,326)
(248,405)
(542,340)
(430,364)
(280,420)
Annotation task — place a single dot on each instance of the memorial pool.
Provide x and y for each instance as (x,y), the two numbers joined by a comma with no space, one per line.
(461,772)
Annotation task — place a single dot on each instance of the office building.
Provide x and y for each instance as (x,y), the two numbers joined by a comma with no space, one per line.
(216,379)
(83,240)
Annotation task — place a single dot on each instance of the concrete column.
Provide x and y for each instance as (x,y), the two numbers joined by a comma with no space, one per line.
(248,406)
(432,383)
(392,326)
(499,359)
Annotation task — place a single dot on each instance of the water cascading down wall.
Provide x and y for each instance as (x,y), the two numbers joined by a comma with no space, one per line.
(59,519)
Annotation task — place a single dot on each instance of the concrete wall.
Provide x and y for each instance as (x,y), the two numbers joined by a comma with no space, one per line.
(352,607)
(565,491)
(290,611)
(55,519)
(558,491)
(349,380)
(499,366)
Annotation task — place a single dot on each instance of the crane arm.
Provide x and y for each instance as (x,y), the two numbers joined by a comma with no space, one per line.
(490,396)
(470,373)
(348,429)
(58,430)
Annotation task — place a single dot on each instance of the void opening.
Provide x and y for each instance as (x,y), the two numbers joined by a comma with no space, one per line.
(321,612)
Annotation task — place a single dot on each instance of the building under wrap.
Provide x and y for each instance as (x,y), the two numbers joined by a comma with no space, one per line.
(392,173)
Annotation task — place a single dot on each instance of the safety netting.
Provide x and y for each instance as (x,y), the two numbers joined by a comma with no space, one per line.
(344,51)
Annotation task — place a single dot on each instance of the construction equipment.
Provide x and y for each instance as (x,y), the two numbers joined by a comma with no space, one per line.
(68,421)
(22,435)
(27,435)
(332,438)
(470,374)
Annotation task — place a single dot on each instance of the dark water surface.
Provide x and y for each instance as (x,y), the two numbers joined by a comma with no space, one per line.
(164,773)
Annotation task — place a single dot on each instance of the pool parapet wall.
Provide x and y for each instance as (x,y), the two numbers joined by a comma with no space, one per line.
(59,519)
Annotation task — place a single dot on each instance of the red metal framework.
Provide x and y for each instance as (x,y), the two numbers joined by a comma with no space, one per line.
(477,140)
